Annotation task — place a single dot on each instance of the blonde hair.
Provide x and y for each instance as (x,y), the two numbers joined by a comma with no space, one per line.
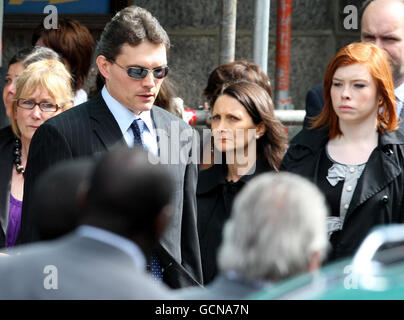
(51,75)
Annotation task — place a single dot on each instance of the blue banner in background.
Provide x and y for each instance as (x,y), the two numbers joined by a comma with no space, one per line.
(63,6)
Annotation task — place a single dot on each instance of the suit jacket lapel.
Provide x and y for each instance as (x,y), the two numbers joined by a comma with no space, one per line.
(162,125)
(104,124)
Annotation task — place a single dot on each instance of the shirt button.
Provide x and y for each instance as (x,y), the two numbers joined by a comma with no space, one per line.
(349,188)
(346,206)
(352,169)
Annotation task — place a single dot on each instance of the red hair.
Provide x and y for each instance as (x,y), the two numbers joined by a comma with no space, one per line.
(377,62)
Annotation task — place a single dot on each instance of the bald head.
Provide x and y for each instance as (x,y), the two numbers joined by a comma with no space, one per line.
(383,24)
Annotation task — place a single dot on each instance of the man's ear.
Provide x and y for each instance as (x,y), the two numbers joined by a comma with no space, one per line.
(161,221)
(103,66)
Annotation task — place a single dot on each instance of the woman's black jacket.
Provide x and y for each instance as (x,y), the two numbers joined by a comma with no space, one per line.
(378,197)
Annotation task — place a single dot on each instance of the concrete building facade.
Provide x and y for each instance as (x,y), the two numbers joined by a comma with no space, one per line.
(318,31)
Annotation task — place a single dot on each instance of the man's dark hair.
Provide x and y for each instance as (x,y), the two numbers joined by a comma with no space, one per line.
(131,25)
(56,195)
(127,192)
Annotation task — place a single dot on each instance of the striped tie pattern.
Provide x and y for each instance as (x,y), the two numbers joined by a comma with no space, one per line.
(137,127)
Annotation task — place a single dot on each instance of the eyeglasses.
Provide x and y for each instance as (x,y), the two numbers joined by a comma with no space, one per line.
(141,73)
(44,106)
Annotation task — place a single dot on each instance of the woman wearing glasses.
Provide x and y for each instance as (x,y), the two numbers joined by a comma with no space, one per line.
(43,90)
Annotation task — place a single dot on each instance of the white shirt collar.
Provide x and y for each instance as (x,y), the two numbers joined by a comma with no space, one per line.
(123,116)
(127,246)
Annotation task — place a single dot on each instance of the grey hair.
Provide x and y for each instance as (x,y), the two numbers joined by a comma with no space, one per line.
(39,53)
(131,25)
(278,222)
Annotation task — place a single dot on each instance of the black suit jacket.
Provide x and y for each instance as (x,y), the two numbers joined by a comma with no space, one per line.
(86,269)
(314,104)
(6,168)
(90,130)
(4,121)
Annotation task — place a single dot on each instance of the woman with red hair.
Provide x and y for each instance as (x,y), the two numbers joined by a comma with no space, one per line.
(352,150)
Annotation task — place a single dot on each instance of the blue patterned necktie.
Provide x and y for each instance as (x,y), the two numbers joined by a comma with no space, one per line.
(137,127)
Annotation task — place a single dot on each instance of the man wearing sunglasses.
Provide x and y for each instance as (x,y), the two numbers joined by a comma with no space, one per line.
(132,59)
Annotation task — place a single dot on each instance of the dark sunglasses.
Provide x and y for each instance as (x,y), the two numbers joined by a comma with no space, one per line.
(141,73)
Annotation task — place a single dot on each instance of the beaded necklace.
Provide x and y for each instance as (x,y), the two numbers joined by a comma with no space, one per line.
(17,156)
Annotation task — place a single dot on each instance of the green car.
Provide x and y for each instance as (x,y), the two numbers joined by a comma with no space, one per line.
(376,272)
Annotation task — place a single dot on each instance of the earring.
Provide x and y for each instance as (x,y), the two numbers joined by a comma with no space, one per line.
(257,137)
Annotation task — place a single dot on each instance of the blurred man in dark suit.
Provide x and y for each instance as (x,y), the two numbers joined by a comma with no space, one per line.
(58,212)
(124,210)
